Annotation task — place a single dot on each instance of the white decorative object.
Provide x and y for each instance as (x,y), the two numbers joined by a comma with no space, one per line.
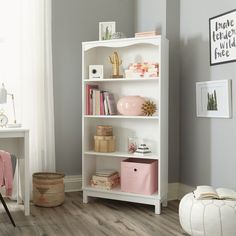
(213,99)
(142,150)
(3,99)
(106,29)
(148,127)
(96,72)
(118,35)
(207,217)
(223,38)
(3,119)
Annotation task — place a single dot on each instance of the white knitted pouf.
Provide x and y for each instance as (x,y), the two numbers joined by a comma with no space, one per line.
(207,217)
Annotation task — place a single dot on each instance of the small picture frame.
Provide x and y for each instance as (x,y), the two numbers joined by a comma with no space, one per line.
(222,37)
(106,29)
(213,99)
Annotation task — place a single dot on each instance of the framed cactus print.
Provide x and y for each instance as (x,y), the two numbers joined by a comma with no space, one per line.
(213,99)
(106,29)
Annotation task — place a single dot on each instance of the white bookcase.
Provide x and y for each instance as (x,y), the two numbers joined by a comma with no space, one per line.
(153,128)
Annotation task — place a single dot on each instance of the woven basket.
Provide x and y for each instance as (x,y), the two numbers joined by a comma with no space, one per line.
(48,189)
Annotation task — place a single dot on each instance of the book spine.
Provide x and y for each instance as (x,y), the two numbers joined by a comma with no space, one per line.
(97,102)
(106,94)
(111,104)
(93,102)
(100,178)
(105,106)
(101,104)
(105,183)
(87,99)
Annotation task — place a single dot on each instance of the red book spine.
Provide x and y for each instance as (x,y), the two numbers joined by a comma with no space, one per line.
(87,99)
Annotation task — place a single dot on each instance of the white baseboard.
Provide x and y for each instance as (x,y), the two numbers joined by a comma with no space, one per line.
(73,183)
(184,189)
(173,191)
(176,191)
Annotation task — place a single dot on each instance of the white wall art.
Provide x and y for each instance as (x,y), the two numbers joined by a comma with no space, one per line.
(222,30)
(106,29)
(213,99)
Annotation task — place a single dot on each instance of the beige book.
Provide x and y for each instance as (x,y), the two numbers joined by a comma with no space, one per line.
(104,178)
(208,192)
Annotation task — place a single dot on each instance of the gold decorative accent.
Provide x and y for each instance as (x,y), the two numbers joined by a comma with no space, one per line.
(149,108)
(116,62)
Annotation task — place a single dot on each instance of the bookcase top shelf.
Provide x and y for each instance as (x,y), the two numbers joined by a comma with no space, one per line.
(122,80)
(153,156)
(154,40)
(122,117)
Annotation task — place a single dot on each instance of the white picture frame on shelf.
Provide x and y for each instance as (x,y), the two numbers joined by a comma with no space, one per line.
(106,29)
(213,99)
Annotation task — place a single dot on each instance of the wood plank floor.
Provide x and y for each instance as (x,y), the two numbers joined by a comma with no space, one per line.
(97,218)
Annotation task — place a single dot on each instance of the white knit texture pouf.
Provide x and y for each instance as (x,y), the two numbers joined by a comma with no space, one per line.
(207,217)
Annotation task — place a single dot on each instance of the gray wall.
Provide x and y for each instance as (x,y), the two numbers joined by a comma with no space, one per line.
(208,148)
(150,15)
(74,21)
(207,145)
(163,16)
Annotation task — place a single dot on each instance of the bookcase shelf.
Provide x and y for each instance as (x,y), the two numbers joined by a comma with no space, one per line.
(152,129)
(153,156)
(122,117)
(117,194)
(155,79)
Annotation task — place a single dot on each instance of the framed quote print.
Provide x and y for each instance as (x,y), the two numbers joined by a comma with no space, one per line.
(222,33)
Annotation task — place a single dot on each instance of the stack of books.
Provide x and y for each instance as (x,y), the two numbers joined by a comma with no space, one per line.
(105,179)
(142,70)
(99,102)
(146,34)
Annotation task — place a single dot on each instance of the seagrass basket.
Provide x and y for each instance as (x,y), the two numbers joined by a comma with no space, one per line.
(48,189)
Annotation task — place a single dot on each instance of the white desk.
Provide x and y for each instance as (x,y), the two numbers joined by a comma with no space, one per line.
(16,141)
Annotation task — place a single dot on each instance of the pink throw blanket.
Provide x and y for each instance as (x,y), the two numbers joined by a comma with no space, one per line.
(6,173)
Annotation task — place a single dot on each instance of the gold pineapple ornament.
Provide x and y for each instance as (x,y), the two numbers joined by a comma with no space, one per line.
(116,62)
(149,108)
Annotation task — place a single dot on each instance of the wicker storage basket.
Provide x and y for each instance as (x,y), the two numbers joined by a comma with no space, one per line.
(48,189)
(104,143)
(104,130)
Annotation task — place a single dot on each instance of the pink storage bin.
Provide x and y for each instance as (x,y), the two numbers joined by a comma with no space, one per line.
(139,176)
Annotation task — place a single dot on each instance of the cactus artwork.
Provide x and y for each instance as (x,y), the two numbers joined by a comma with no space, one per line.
(107,34)
(212,101)
(116,62)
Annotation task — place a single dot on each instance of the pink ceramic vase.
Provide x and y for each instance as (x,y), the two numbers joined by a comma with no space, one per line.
(130,105)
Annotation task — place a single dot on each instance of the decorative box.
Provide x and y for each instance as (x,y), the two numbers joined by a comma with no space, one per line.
(104,130)
(139,176)
(104,143)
